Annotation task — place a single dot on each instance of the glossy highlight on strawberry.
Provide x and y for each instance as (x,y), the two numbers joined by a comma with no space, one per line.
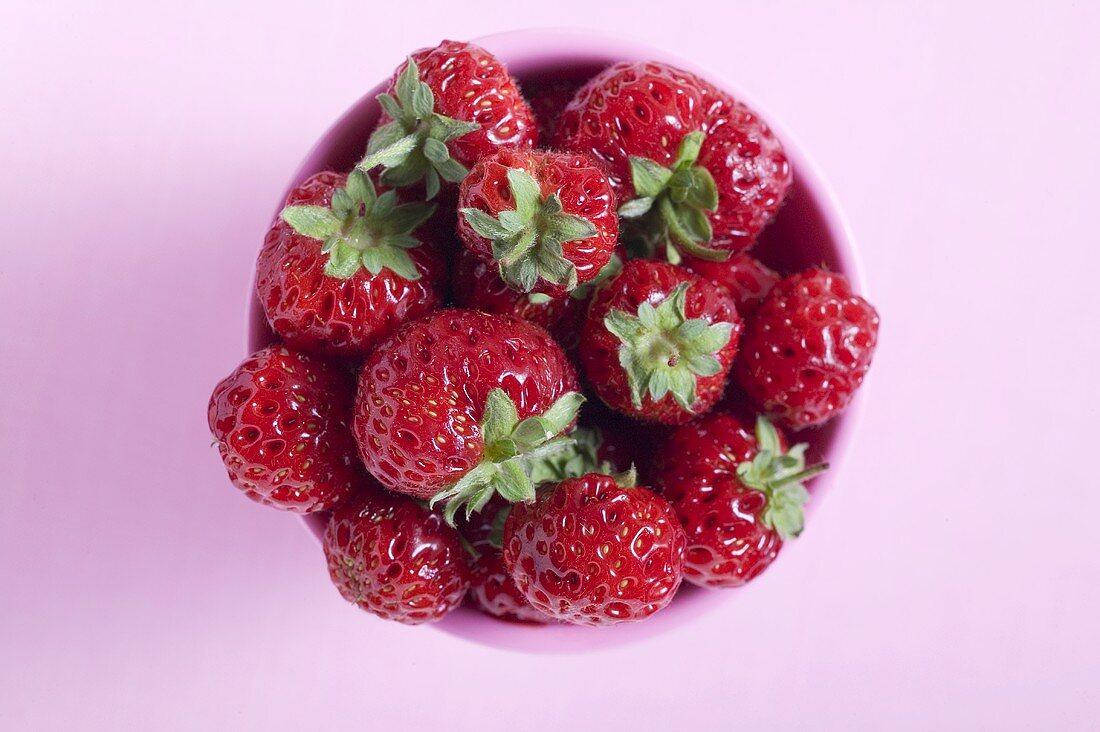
(351,278)
(394,558)
(658,342)
(738,494)
(654,125)
(439,404)
(282,424)
(446,108)
(591,552)
(546,220)
(807,349)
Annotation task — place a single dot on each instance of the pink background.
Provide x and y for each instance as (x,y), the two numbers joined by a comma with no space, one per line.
(951,580)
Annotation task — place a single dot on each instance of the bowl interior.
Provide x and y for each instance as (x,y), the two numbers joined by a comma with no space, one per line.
(809,231)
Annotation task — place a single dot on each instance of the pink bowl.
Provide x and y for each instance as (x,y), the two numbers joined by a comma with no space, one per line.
(809,230)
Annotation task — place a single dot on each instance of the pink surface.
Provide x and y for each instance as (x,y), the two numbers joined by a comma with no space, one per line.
(950,581)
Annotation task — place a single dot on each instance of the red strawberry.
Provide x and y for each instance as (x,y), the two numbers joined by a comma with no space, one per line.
(594,553)
(546,220)
(658,342)
(281,421)
(446,108)
(461,405)
(807,349)
(492,590)
(477,285)
(692,167)
(548,100)
(343,266)
(744,277)
(394,558)
(738,497)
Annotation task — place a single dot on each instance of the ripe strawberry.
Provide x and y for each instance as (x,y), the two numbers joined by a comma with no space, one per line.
(658,342)
(343,266)
(492,590)
(476,285)
(446,108)
(594,553)
(807,349)
(744,277)
(394,558)
(692,167)
(548,100)
(281,421)
(546,220)
(461,405)
(738,496)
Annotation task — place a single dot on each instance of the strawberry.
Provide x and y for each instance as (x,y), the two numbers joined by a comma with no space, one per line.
(593,552)
(281,422)
(693,168)
(739,496)
(807,349)
(546,220)
(492,590)
(343,265)
(658,342)
(744,277)
(446,108)
(461,405)
(392,557)
(477,285)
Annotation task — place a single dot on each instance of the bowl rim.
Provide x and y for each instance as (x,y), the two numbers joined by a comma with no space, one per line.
(553,46)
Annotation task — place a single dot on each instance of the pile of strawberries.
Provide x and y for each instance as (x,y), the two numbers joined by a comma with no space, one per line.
(443,309)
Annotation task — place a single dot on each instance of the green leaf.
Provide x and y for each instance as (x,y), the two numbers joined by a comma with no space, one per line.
(713,339)
(451,170)
(407,83)
(500,416)
(703,191)
(389,106)
(404,219)
(316,222)
(431,184)
(689,149)
(533,431)
(649,177)
(399,262)
(436,151)
(703,364)
(360,188)
(563,411)
(484,224)
(525,193)
(423,101)
(514,484)
(343,262)
(566,227)
(636,207)
(390,155)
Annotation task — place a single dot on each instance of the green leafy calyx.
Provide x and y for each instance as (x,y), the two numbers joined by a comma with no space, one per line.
(515,450)
(780,476)
(663,352)
(362,229)
(527,241)
(671,204)
(412,146)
